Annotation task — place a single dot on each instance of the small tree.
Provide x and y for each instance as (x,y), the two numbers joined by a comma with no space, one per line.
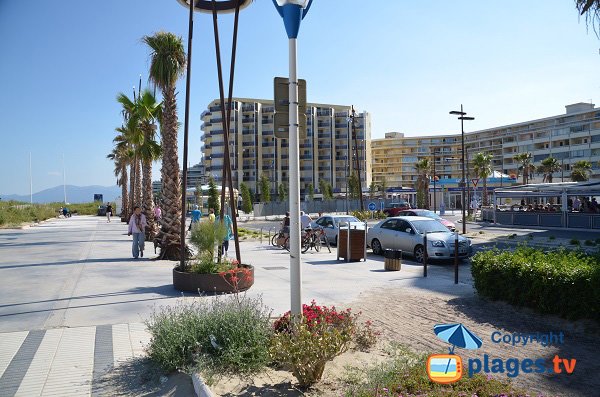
(549,166)
(311,192)
(373,189)
(383,186)
(198,193)
(329,190)
(353,191)
(282,192)
(252,196)
(246,199)
(265,193)
(213,196)
(581,171)
(323,187)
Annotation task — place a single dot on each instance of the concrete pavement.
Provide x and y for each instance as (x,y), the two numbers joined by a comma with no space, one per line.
(73,299)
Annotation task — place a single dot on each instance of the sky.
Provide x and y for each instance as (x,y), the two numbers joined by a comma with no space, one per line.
(408,63)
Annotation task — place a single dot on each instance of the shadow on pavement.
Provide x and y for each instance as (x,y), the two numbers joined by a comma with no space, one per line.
(76,262)
(285,389)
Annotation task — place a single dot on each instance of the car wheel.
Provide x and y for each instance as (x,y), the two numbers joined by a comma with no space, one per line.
(376,247)
(419,253)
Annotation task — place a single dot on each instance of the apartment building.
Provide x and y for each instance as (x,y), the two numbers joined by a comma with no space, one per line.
(254,150)
(569,138)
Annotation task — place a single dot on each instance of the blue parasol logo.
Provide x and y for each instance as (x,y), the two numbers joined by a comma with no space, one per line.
(458,336)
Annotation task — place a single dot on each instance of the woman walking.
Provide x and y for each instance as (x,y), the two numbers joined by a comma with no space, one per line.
(108,212)
(137,226)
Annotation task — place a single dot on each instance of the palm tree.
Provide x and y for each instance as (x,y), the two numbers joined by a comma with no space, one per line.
(526,167)
(166,66)
(482,165)
(591,9)
(148,110)
(422,184)
(581,171)
(131,133)
(119,156)
(549,165)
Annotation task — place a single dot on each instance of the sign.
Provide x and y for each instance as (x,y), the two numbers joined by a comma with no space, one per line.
(475,181)
(372,206)
(282,107)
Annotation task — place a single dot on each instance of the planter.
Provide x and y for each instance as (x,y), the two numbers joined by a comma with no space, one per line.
(214,282)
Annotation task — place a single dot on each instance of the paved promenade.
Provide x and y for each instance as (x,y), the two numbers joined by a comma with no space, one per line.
(73,300)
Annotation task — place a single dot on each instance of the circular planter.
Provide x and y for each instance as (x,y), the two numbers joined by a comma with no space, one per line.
(214,282)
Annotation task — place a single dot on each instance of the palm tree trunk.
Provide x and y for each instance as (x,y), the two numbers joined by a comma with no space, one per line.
(124,198)
(138,182)
(131,187)
(169,236)
(147,201)
(485,195)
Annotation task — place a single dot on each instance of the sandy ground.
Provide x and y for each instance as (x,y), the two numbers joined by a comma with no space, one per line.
(407,316)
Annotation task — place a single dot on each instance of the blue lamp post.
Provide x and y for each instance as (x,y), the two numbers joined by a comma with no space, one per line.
(292,12)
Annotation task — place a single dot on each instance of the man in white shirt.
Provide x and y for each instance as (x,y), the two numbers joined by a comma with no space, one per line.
(305,220)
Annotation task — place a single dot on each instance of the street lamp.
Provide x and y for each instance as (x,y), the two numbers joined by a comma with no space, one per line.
(462,117)
(293,12)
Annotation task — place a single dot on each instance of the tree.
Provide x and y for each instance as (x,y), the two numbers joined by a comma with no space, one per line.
(549,165)
(311,192)
(383,186)
(581,171)
(353,191)
(482,165)
(328,192)
(246,199)
(591,9)
(265,193)
(213,196)
(373,188)
(167,63)
(526,167)
(323,187)
(119,156)
(198,194)
(422,183)
(131,135)
(282,192)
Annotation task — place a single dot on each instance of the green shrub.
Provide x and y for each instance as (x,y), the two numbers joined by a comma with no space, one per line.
(552,238)
(562,282)
(404,374)
(206,236)
(365,336)
(219,336)
(574,241)
(304,346)
(590,243)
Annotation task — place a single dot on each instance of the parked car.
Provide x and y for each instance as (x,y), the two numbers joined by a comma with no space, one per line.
(429,214)
(394,208)
(330,224)
(406,233)
(101,210)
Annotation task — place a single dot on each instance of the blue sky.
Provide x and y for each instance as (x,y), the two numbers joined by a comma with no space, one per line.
(62,64)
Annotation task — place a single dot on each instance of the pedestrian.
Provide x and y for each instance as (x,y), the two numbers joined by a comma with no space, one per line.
(229,235)
(108,212)
(137,227)
(211,214)
(576,204)
(305,220)
(196,215)
(285,229)
(157,213)
(65,211)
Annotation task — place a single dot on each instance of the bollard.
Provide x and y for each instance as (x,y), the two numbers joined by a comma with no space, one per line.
(425,255)
(261,235)
(456,257)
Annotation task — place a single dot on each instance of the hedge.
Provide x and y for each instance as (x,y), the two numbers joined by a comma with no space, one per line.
(563,282)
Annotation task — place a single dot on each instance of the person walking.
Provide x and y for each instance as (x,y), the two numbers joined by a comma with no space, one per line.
(157,213)
(196,215)
(108,212)
(211,214)
(137,226)
(228,223)
(305,220)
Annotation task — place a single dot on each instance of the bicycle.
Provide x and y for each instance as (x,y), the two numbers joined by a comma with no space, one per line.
(315,238)
(281,240)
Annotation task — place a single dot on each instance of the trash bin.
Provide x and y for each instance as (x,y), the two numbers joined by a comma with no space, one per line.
(392,259)
(357,244)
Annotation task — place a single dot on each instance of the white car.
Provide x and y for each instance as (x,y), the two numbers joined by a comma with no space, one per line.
(330,224)
(406,233)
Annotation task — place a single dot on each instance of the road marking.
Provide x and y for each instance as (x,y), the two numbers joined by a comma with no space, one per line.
(16,370)
(103,356)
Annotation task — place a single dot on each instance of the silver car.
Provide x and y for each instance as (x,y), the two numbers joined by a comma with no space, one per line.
(406,233)
(330,224)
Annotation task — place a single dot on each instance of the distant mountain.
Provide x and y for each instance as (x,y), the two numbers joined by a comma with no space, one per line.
(75,194)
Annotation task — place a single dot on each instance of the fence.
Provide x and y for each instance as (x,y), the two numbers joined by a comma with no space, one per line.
(312,207)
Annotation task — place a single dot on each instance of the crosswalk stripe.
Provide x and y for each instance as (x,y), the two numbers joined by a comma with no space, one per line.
(16,370)
(103,355)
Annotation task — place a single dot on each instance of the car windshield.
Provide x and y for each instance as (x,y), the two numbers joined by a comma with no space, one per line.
(429,226)
(428,214)
(346,219)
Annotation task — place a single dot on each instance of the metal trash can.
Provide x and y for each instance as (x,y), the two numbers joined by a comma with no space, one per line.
(392,259)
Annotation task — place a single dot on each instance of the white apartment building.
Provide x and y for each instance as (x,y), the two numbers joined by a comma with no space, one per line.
(254,150)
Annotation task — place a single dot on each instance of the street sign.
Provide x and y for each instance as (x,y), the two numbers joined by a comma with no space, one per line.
(475,181)
(282,107)
(372,206)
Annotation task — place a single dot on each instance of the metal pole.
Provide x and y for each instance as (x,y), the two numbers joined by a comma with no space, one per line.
(64,179)
(455,257)
(294,172)
(185,137)
(434,191)
(425,255)
(464,179)
(30,181)
(356,153)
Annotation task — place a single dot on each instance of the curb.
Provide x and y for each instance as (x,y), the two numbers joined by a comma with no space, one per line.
(200,387)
